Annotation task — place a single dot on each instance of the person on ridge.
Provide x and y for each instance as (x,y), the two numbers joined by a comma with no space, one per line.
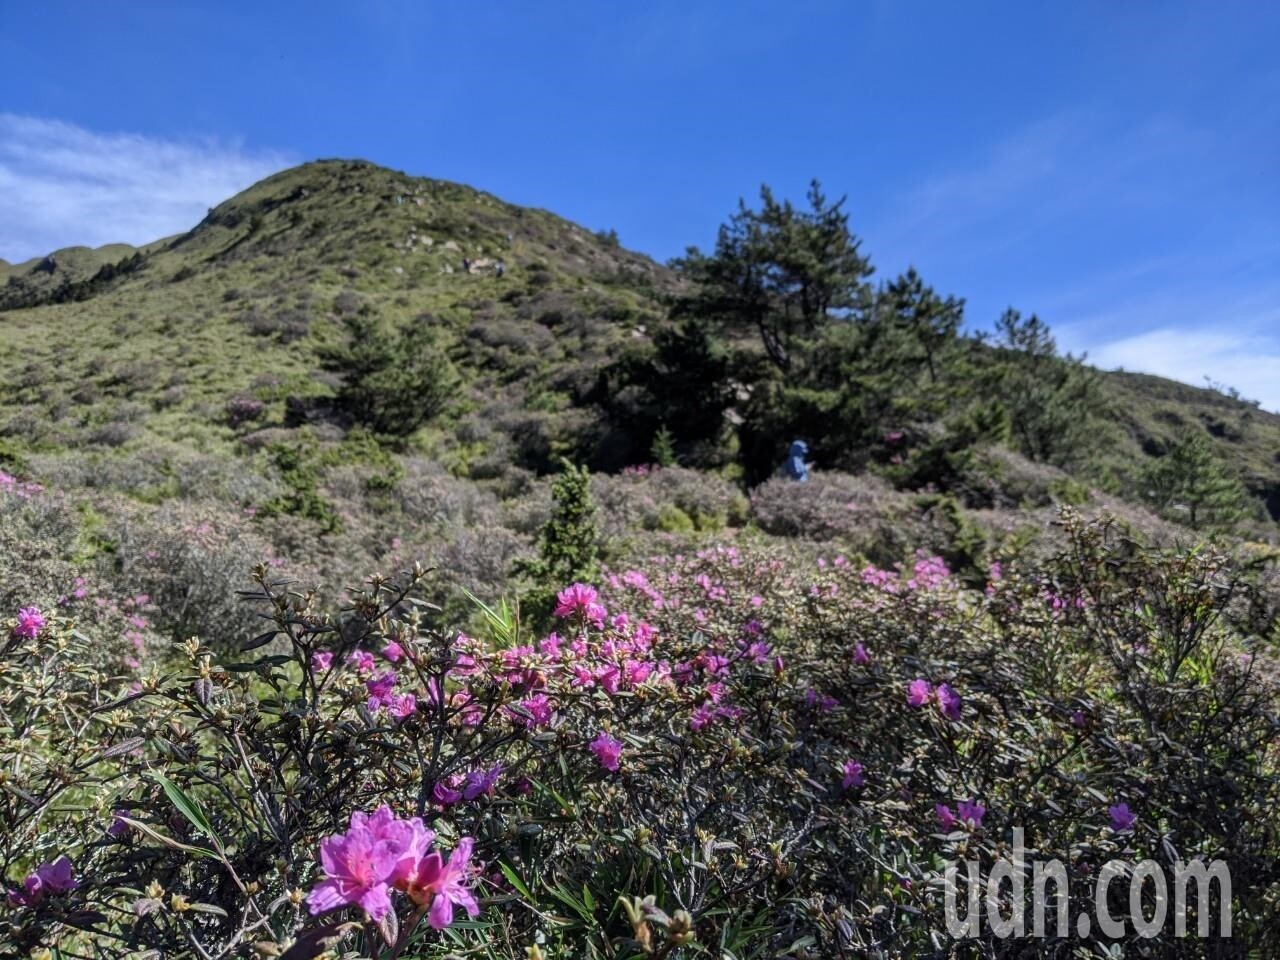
(795,467)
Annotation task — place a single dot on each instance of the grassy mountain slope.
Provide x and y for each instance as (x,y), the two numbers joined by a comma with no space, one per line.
(1149,411)
(245,302)
(146,359)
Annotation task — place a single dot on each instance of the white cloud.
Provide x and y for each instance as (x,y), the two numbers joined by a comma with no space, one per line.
(62,185)
(1248,362)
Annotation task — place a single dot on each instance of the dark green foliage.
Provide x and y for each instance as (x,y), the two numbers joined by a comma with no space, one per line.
(302,498)
(20,292)
(1054,402)
(1189,484)
(394,382)
(663,451)
(780,272)
(930,321)
(689,381)
(681,388)
(568,544)
(584,350)
(964,543)
(891,371)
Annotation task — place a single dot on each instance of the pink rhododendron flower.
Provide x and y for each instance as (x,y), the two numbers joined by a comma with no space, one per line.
(549,646)
(1122,818)
(535,711)
(636,672)
(609,677)
(853,775)
(481,783)
(401,705)
(410,838)
(393,651)
(357,868)
(948,702)
(607,750)
(445,792)
(701,717)
(118,827)
(580,600)
(381,689)
(970,813)
(380,853)
(946,819)
(823,703)
(362,660)
(48,878)
(442,885)
(321,661)
(919,692)
(860,655)
(30,622)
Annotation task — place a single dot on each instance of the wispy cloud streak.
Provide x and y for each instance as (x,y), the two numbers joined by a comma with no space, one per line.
(62,185)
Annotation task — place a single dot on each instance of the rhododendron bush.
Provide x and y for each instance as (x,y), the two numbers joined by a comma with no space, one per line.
(724,754)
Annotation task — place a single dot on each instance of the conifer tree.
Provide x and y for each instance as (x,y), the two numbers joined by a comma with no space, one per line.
(393,381)
(568,544)
(931,321)
(1191,485)
(1054,402)
(781,272)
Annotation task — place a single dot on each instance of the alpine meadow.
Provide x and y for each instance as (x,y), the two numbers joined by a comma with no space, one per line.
(391,571)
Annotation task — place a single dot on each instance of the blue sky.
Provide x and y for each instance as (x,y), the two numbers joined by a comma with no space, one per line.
(1114,167)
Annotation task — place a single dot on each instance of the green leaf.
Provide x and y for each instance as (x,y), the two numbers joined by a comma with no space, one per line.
(186,806)
(513,878)
(168,841)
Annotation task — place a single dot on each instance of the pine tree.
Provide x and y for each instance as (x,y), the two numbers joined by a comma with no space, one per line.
(393,382)
(568,544)
(663,451)
(1191,485)
(930,320)
(1054,401)
(781,272)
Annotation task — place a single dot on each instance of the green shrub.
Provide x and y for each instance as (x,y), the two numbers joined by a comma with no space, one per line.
(393,383)
(715,753)
(671,519)
(568,544)
(300,475)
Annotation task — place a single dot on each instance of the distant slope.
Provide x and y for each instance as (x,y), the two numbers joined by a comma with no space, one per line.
(246,300)
(1150,411)
(149,345)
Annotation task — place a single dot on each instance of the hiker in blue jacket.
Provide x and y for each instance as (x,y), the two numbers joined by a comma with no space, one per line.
(795,467)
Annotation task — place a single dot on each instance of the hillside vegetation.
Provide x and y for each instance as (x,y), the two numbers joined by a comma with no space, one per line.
(387,570)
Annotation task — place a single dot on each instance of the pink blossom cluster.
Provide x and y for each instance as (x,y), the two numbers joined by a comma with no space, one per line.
(968,814)
(641,469)
(23,489)
(927,573)
(853,777)
(608,751)
(921,692)
(466,787)
(1059,604)
(46,879)
(30,622)
(595,653)
(381,853)
(1122,818)
(582,601)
